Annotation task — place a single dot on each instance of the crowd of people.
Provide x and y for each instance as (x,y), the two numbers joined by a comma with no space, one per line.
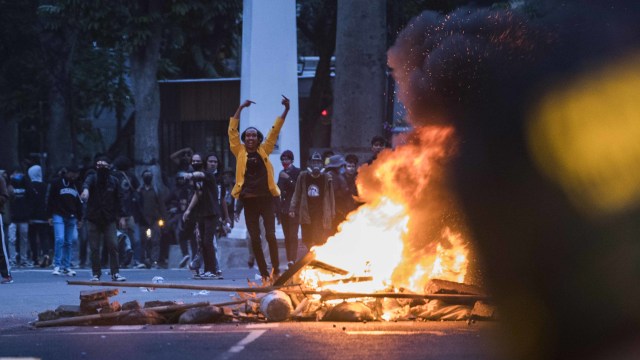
(101,216)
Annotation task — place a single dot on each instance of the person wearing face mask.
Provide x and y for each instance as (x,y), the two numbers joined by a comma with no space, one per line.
(255,183)
(313,203)
(287,185)
(152,210)
(342,197)
(105,208)
(204,209)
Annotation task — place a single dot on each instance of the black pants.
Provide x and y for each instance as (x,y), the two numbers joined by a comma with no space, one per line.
(39,240)
(187,238)
(206,228)
(314,234)
(4,253)
(103,234)
(290,229)
(254,208)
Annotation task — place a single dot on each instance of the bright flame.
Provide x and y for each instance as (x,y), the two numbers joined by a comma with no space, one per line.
(388,238)
(369,243)
(451,262)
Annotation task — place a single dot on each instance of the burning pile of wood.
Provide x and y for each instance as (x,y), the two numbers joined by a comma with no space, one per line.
(286,299)
(441,300)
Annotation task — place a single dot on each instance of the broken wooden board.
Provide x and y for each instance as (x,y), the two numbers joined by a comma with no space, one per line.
(85,319)
(438,286)
(91,295)
(293,269)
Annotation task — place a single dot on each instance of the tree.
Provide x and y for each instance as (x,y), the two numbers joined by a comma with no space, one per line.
(359,96)
(316,22)
(22,81)
(141,30)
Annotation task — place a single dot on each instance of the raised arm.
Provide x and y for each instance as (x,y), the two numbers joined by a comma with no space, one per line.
(245,104)
(175,157)
(285,102)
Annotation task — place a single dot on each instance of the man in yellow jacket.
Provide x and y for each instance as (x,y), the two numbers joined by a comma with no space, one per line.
(255,183)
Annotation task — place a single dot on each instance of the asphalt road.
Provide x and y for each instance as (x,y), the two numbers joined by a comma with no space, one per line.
(36,290)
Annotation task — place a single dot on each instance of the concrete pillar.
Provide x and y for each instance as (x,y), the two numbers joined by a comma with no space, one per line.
(269,69)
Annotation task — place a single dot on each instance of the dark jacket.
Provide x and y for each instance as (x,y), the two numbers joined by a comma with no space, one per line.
(128,185)
(341,193)
(105,199)
(37,199)
(208,200)
(287,187)
(18,202)
(4,194)
(151,207)
(64,199)
(300,204)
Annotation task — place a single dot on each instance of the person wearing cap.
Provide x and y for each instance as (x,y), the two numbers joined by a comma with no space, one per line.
(287,185)
(342,197)
(101,191)
(313,203)
(64,209)
(255,183)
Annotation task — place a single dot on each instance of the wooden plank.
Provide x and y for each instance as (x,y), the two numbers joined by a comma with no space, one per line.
(452,298)
(438,286)
(90,295)
(264,289)
(293,270)
(346,280)
(77,320)
(324,266)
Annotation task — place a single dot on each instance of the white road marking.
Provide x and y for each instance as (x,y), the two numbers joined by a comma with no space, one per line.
(126,327)
(253,335)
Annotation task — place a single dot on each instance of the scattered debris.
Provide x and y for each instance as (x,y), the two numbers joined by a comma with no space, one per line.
(276,306)
(345,311)
(289,297)
(129,317)
(202,315)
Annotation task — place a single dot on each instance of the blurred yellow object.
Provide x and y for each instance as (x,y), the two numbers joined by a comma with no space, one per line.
(585,135)
(161,223)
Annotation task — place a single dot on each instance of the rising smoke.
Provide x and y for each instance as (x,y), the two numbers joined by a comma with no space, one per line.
(562,274)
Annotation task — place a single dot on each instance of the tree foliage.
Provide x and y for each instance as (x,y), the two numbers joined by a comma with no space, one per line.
(67,61)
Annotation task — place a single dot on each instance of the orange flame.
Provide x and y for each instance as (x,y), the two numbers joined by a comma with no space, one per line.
(391,237)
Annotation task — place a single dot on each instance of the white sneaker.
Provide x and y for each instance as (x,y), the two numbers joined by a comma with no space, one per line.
(118,277)
(69,272)
(56,271)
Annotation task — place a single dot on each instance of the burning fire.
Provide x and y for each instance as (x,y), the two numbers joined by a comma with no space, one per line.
(387,237)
